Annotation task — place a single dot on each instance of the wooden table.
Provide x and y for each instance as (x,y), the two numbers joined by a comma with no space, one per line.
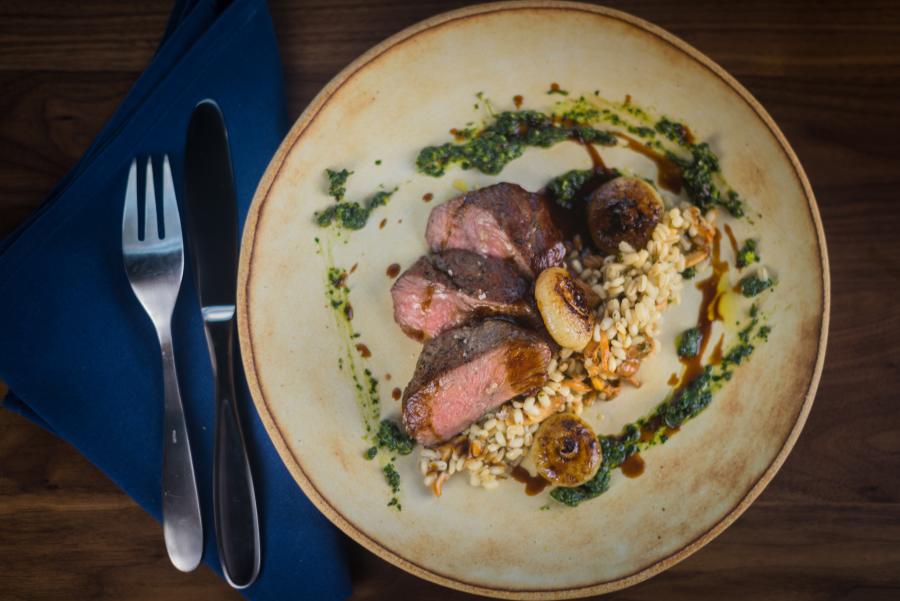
(828,526)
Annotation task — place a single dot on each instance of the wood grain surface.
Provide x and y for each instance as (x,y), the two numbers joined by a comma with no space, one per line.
(827,527)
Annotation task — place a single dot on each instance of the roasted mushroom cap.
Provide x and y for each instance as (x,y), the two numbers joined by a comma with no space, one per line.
(566,450)
(625,209)
(565,308)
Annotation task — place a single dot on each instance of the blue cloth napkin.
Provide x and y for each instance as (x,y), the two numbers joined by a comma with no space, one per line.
(76,349)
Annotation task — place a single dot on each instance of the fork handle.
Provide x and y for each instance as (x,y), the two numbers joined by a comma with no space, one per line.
(234,498)
(182,526)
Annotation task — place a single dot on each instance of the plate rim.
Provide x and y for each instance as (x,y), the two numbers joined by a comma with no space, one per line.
(245,334)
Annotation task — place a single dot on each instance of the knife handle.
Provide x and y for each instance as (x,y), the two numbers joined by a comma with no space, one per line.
(234,499)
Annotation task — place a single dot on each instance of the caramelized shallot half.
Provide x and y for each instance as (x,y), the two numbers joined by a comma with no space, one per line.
(566,451)
(625,209)
(565,308)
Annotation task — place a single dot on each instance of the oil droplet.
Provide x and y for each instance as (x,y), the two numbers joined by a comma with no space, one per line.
(460,185)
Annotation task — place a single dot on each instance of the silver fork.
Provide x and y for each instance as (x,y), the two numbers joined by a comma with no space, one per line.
(155,265)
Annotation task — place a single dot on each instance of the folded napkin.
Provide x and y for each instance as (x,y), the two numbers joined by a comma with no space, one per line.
(77,350)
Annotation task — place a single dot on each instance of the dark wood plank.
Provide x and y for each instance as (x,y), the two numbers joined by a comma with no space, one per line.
(828,526)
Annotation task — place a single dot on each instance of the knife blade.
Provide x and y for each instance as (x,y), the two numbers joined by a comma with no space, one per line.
(211,211)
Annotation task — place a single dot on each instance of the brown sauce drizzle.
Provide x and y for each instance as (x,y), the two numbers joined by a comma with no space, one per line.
(596,159)
(732,240)
(393,270)
(633,466)
(517,100)
(428,196)
(533,484)
(355,265)
(715,357)
(668,174)
(627,99)
(396,393)
(364,351)
(673,379)
(382,224)
(710,311)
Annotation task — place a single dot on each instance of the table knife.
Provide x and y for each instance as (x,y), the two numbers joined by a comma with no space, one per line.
(211,209)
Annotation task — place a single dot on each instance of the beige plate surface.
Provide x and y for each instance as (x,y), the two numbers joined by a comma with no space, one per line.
(406,93)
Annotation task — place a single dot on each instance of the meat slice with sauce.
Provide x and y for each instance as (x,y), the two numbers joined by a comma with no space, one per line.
(466,372)
(449,288)
(504,221)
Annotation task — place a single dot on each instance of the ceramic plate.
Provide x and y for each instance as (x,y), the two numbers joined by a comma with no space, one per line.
(373,118)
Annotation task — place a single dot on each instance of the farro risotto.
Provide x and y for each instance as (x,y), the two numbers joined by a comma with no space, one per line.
(534,306)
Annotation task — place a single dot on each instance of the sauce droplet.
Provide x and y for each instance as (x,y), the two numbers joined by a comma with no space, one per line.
(673,379)
(554,87)
(533,484)
(627,99)
(382,224)
(387,377)
(517,99)
(428,196)
(396,393)
(364,351)
(355,265)
(393,270)
(633,466)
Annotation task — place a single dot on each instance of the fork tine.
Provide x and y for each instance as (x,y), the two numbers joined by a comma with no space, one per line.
(151,224)
(171,220)
(130,212)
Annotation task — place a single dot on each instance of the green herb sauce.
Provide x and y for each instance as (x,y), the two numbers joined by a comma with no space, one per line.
(352,215)
(506,138)
(752,285)
(677,132)
(365,384)
(337,183)
(390,436)
(699,182)
(689,343)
